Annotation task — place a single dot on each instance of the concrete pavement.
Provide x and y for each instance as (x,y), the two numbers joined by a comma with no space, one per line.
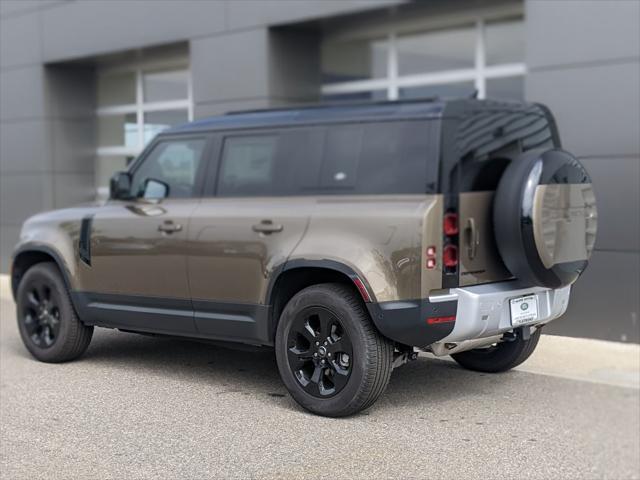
(141,407)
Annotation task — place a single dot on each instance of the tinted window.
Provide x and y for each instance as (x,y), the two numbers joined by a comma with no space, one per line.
(365,158)
(378,158)
(480,145)
(248,165)
(173,162)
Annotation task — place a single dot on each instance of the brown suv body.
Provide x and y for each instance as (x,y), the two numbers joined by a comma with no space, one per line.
(434,213)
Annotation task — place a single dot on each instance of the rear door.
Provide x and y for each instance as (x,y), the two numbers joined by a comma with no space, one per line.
(247,225)
(479,143)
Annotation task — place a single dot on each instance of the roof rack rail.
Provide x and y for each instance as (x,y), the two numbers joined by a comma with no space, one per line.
(320,106)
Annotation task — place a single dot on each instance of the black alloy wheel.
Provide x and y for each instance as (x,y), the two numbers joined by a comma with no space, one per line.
(41,313)
(331,358)
(319,352)
(48,323)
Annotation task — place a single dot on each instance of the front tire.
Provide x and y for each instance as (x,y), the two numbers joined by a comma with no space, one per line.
(49,326)
(501,357)
(331,358)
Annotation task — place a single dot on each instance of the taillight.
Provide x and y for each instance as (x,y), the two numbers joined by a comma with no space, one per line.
(450,256)
(450,249)
(450,225)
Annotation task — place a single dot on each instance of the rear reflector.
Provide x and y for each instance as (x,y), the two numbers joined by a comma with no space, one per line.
(362,289)
(450,256)
(450,225)
(436,320)
(431,257)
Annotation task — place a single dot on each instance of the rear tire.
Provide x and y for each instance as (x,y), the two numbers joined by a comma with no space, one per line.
(49,326)
(499,358)
(352,362)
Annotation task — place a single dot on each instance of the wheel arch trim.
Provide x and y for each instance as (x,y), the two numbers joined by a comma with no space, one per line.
(364,288)
(334,266)
(43,249)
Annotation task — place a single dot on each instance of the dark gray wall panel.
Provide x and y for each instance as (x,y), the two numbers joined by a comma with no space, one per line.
(294,64)
(24,146)
(19,40)
(22,195)
(248,13)
(72,189)
(596,107)
(18,7)
(74,146)
(22,93)
(604,301)
(617,186)
(8,238)
(573,31)
(230,67)
(102,26)
(70,92)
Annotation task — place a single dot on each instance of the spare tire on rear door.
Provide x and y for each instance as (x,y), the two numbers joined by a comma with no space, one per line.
(545,218)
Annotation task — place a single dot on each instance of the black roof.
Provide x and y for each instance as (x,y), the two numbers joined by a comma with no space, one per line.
(388,110)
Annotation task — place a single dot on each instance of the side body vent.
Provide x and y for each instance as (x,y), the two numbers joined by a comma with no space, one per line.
(84,243)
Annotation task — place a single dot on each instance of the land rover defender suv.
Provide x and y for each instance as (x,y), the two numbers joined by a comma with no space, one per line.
(348,238)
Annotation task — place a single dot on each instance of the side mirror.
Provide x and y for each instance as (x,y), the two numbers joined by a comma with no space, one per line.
(120,186)
(155,189)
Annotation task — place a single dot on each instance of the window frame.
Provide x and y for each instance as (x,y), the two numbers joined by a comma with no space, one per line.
(478,74)
(206,156)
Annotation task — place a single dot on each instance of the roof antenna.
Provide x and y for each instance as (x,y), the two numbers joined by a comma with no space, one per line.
(474,94)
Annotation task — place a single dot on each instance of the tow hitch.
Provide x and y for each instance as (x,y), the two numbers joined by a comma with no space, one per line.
(403,356)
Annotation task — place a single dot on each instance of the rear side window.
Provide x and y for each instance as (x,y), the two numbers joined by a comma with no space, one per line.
(378,158)
(363,158)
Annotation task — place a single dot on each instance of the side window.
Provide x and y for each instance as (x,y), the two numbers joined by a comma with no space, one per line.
(173,163)
(378,158)
(395,158)
(343,145)
(365,158)
(248,166)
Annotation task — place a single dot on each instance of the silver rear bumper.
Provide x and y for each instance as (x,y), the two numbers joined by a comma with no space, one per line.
(483,314)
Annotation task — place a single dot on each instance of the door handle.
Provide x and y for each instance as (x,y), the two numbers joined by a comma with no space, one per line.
(473,239)
(169,227)
(267,227)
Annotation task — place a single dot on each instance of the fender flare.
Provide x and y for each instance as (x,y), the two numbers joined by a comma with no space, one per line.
(325,264)
(47,250)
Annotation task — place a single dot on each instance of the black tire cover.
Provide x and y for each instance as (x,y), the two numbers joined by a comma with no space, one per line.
(545,218)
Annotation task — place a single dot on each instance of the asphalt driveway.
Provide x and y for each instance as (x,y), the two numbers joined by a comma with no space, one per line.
(141,407)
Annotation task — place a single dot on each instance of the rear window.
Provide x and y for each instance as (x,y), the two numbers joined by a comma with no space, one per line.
(479,146)
(361,159)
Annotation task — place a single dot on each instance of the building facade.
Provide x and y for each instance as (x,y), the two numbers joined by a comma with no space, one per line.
(84,85)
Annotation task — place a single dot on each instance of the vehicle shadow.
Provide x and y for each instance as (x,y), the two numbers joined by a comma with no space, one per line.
(254,372)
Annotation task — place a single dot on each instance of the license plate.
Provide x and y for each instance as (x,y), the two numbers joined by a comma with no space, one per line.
(523,310)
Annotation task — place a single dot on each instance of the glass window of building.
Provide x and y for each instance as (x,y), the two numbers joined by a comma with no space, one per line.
(436,51)
(485,55)
(135,102)
(353,60)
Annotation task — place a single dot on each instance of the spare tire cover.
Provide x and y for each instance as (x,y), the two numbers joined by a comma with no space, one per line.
(545,218)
